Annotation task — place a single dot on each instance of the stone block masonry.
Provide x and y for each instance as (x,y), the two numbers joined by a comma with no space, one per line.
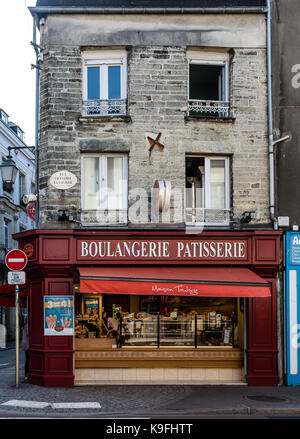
(157,102)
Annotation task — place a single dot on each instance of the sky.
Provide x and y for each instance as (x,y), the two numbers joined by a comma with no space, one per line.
(17,79)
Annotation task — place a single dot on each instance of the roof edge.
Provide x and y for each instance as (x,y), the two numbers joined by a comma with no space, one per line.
(43,10)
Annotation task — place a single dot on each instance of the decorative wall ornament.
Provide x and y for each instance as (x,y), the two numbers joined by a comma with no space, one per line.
(161,198)
(155,144)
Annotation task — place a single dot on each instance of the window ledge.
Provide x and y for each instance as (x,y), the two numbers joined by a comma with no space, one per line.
(211,118)
(93,119)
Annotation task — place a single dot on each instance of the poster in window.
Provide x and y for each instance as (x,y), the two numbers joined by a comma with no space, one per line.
(58,315)
(91,306)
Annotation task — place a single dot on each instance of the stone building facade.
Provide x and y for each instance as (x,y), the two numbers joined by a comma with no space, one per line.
(157,93)
(155,115)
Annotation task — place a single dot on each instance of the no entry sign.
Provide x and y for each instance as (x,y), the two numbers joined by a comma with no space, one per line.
(16,260)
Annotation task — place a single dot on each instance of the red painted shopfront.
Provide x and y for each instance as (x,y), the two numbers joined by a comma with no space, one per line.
(58,258)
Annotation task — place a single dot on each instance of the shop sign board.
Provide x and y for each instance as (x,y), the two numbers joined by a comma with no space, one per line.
(292,306)
(294,247)
(148,249)
(30,209)
(58,315)
(16,260)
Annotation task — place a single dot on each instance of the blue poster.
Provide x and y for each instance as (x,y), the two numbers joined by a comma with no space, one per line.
(58,315)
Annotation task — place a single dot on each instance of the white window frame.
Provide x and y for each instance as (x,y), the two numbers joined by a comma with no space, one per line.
(207,185)
(224,85)
(103,59)
(201,57)
(103,179)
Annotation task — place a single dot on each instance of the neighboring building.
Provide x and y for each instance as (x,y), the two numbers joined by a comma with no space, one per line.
(171,95)
(286,106)
(13,216)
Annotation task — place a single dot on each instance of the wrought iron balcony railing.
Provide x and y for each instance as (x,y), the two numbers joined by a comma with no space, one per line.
(207,217)
(208,108)
(104,217)
(103,107)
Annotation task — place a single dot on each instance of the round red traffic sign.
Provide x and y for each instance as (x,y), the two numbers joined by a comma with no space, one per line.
(16,260)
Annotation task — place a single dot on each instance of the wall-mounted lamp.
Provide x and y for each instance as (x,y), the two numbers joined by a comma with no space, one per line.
(9,170)
(8,167)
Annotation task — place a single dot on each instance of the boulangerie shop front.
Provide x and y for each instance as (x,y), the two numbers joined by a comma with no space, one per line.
(155,307)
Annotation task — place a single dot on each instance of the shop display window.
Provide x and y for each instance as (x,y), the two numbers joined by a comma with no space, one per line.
(163,321)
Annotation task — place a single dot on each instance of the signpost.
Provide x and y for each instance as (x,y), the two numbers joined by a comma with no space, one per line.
(16,260)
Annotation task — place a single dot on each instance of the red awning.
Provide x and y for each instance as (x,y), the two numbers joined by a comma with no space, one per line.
(7,294)
(175,280)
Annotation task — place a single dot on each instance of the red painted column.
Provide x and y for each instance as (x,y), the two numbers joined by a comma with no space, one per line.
(262,340)
(50,357)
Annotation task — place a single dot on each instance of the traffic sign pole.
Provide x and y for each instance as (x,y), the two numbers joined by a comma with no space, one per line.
(17,335)
(16,260)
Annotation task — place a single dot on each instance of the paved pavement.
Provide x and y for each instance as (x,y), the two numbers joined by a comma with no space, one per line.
(144,401)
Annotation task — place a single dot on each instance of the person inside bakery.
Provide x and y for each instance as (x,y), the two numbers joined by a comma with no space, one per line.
(113,327)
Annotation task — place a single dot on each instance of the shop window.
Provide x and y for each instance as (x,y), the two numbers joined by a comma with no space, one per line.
(104,83)
(207,190)
(208,85)
(160,321)
(104,189)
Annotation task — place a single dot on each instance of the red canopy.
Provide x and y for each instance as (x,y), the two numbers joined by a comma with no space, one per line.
(173,280)
(7,294)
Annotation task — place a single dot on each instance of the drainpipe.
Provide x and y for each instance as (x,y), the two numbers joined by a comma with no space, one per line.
(37,80)
(270,120)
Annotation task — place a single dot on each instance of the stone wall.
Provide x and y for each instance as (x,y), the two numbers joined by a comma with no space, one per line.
(157,102)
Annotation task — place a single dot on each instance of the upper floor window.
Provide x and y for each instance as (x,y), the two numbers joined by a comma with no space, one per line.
(104,188)
(207,190)
(104,83)
(22,185)
(208,84)
(7,234)
(4,116)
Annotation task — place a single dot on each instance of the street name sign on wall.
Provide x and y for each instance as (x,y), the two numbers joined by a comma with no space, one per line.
(63,180)
(16,260)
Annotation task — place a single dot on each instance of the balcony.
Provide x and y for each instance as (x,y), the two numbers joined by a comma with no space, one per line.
(103,107)
(204,108)
(207,217)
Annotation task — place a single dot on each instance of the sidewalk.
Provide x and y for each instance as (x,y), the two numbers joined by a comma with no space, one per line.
(149,401)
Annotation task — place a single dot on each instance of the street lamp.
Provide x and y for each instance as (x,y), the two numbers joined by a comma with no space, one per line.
(8,170)
(8,167)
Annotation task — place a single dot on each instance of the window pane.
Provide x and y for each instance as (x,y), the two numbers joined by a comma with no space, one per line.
(114,82)
(115,182)
(93,82)
(195,180)
(91,183)
(217,184)
(205,83)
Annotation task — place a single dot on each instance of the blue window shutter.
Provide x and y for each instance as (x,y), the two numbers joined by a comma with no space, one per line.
(93,85)
(114,82)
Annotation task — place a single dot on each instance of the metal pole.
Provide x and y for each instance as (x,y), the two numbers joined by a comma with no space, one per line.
(37,102)
(17,335)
